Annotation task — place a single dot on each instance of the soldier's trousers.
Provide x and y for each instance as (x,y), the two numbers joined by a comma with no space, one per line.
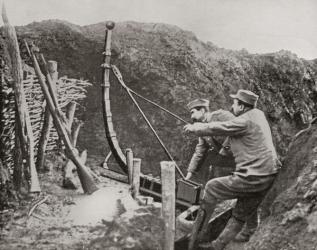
(249,192)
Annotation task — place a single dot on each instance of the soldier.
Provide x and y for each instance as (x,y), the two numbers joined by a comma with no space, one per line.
(256,167)
(199,110)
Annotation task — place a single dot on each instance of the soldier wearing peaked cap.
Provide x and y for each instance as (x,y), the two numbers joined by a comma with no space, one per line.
(256,167)
(199,110)
(198,103)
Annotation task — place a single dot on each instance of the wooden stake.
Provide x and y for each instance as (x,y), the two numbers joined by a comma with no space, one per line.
(52,69)
(168,203)
(34,182)
(48,120)
(17,75)
(24,134)
(136,177)
(75,132)
(52,89)
(129,157)
(70,113)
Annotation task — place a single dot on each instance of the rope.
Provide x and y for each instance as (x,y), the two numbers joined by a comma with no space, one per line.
(119,77)
(158,106)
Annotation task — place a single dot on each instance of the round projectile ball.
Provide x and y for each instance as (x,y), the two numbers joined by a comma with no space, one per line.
(110,25)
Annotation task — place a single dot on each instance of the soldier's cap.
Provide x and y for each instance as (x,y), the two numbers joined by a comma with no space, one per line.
(246,96)
(198,103)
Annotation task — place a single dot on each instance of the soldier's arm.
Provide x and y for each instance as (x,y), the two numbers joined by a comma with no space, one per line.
(235,127)
(198,157)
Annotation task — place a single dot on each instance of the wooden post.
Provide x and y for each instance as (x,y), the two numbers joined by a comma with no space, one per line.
(70,113)
(51,88)
(168,203)
(50,72)
(52,69)
(34,182)
(24,140)
(75,132)
(129,157)
(136,177)
(48,120)
(17,75)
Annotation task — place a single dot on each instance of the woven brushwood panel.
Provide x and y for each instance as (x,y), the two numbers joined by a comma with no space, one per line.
(68,90)
(7,118)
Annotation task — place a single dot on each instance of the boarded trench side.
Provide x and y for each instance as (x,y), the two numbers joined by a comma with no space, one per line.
(292,224)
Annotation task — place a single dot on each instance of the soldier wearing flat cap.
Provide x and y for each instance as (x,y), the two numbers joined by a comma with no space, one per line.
(256,167)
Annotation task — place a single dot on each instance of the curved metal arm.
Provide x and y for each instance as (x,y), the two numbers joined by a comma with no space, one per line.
(110,133)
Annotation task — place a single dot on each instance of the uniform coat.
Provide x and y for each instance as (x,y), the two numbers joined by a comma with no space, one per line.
(250,141)
(206,143)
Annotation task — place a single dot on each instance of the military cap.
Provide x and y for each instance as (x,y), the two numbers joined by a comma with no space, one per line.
(198,103)
(246,96)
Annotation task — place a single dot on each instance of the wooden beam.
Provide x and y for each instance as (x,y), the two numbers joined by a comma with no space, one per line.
(48,120)
(168,203)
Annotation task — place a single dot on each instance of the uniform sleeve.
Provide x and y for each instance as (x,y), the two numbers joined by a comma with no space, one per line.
(235,127)
(198,157)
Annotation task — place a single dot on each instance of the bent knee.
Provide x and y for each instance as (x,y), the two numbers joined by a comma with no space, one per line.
(211,184)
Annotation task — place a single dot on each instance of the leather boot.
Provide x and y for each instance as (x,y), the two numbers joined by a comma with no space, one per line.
(232,228)
(248,229)
(244,235)
(200,227)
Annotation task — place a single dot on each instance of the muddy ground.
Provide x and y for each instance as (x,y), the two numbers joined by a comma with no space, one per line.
(67,219)
(111,219)
(59,218)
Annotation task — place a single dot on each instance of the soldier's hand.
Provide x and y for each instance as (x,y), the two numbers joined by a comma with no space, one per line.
(194,128)
(188,176)
(188,128)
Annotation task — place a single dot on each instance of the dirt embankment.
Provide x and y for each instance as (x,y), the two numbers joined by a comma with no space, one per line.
(293,222)
(172,67)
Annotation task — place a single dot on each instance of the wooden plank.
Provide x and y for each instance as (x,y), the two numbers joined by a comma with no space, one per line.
(113,175)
